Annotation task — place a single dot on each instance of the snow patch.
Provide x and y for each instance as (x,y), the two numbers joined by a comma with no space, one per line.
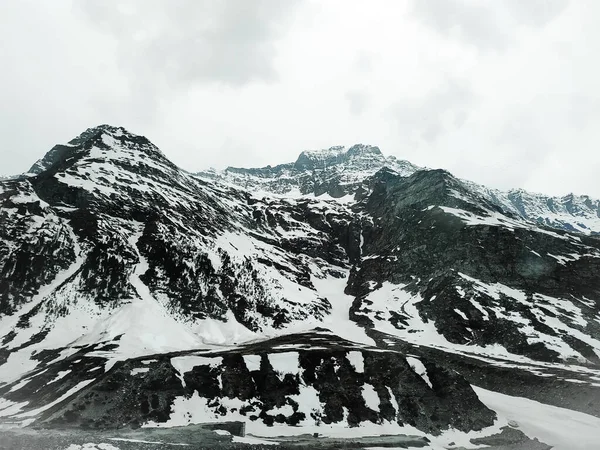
(338,321)
(371,397)
(419,369)
(285,362)
(461,314)
(562,428)
(357,360)
(252,362)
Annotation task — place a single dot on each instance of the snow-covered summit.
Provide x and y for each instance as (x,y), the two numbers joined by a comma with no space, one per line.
(322,159)
(340,172)
(336,171)
(579,213)
(105,138)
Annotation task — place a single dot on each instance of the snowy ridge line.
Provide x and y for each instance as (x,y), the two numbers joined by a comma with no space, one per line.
(534,207)
(539,368)
(573,213)
(345,167)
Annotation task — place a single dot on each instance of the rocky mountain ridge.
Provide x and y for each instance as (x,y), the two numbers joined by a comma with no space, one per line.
(339,172)
(121,273)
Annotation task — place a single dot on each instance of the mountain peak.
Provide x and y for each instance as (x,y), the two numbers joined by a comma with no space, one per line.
(363,150)
(93,133)
(337,171)
(321,159)
(110,137)
(103,137)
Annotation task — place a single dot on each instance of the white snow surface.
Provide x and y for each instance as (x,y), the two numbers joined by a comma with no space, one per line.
(338,321)
(285,362)
(371,397)
(357,360)
(252,362)
(92,446)
(419,369)
(562,428)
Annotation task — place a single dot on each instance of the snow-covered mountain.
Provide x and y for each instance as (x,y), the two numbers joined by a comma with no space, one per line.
(346,289)
(336,172)
(339,172)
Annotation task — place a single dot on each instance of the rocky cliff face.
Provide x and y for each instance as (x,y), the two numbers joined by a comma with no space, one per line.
(133,293)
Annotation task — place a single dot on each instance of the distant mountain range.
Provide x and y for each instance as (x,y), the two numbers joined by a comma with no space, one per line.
(339,172)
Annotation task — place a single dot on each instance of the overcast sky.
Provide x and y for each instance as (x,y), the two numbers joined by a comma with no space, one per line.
(504,93)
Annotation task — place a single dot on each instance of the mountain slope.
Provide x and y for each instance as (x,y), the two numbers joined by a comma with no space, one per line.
(133,293)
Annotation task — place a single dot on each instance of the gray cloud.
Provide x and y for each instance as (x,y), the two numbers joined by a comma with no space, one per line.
(441,109)
(364,62)
(485,24)
(245,82)
(535,127)
(474,22)
(187,41)
(535,13)
(582,110)
(549,125)
(358,102)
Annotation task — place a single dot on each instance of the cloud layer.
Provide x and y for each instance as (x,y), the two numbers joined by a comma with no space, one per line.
(503,93)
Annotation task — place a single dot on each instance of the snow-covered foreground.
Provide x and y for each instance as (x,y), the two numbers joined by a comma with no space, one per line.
(562,428)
